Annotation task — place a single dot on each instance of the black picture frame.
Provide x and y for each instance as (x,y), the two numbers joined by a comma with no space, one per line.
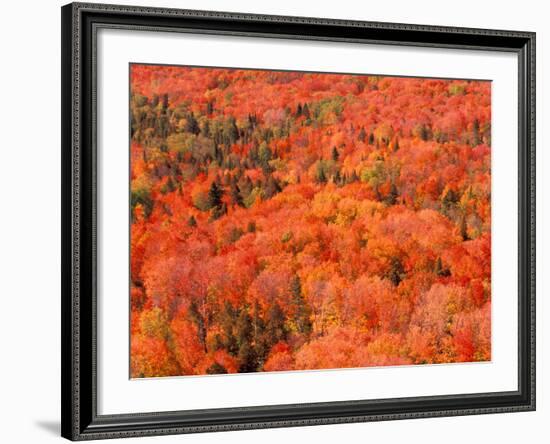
(80,420)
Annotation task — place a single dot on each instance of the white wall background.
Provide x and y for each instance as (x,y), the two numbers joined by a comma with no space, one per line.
(30,221)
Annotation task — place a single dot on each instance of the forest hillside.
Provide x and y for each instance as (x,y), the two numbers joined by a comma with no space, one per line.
(291,221)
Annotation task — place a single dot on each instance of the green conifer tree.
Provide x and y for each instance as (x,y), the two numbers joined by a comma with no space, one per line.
(215,194)
(302,312)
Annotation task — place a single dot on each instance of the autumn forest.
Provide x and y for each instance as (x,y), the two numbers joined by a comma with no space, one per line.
(291,221)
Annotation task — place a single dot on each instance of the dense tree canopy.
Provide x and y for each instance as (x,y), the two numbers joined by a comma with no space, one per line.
(287,221)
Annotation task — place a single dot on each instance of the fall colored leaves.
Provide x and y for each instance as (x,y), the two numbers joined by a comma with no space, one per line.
(293,221)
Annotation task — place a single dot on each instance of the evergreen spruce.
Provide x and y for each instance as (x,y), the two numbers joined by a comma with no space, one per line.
(272,187)
(226,321)
(464,228)
(216,369)
(320,175)
(243,328)
(362,135)
(199,321)
(440,270)
(476,135)
(215,194)
(275,326)
(396,272)
(209,107)
(251,227)
(165,101)
(391,198)
(302,312)
(305,111)
(235,194)
(191,125)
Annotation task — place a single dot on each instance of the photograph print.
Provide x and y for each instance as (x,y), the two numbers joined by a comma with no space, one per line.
(288,221)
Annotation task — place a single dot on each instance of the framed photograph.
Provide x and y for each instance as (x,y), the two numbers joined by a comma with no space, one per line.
(284,221)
